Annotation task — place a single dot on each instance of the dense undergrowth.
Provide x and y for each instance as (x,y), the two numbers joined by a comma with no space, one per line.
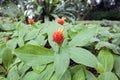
(89,51)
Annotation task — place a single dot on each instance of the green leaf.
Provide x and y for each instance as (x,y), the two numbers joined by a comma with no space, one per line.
(105,57)
(90,76)
(32,34)
(2,70)
(107,76)
(74,69)
(22,68)
(61,62)
(54,77)
(7,57)
(47,73)
(2,78)
(40,40)
(34,55)
(66,76)
(79,75)
(2,46)
(20,42)
(12,44)
(38,68)
(31,76)
(33,42)
(117,65)
(22,29)
(13,74)
(108,45)
(82,56)
(83,37)
(56,1)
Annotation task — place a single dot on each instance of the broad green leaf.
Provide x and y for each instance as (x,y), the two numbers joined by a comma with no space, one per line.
(108,45)
(32,34)
(2,46)
(104,44)
(2,70)
(83,37)
(105,57)
(7,57)
(22,68)
(20,42)
(79,75)
(56,1)
(33,42)
(107,76)
(90,76)
(2,78)
(82,56)
(31,76)
(34,55)
(22,29)
(54,77)
(61,62)
(8,27)
(104,32)
(66,76)
(12,44)
(47,73)
(40,40)
(13,74)
(38,68)
(74,69)
(117,64)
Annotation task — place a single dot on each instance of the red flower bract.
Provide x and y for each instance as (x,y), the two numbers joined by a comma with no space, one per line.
(6,39)
(58,36)
(31,21)
(61,20)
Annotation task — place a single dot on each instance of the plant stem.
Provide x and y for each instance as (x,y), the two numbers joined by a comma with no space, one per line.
(59,49)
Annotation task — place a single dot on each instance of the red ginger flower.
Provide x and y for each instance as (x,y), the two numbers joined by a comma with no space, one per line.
(6,39)
(87,22)
(58,36)
(61,20)
(31,21)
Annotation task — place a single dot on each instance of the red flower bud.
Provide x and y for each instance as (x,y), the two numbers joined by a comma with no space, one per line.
(12,19)
(58,36)
(61,20)
(2,18)
(6,39)
(31,21)
(87,22)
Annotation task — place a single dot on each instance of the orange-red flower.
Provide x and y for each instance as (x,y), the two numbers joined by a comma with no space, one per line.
(6,39)
(58,36)
(12,19)
(2,18)
(87,22)
(61,20)
(31,21)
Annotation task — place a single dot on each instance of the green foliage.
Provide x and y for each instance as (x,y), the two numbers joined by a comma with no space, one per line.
(116,65)
(107,76)
(33,55)
(81,56)
(84,36)
(105,57)
(30,52)
(99,15)
(61,62)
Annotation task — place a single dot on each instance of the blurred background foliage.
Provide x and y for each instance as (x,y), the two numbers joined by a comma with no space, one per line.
(51,9)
